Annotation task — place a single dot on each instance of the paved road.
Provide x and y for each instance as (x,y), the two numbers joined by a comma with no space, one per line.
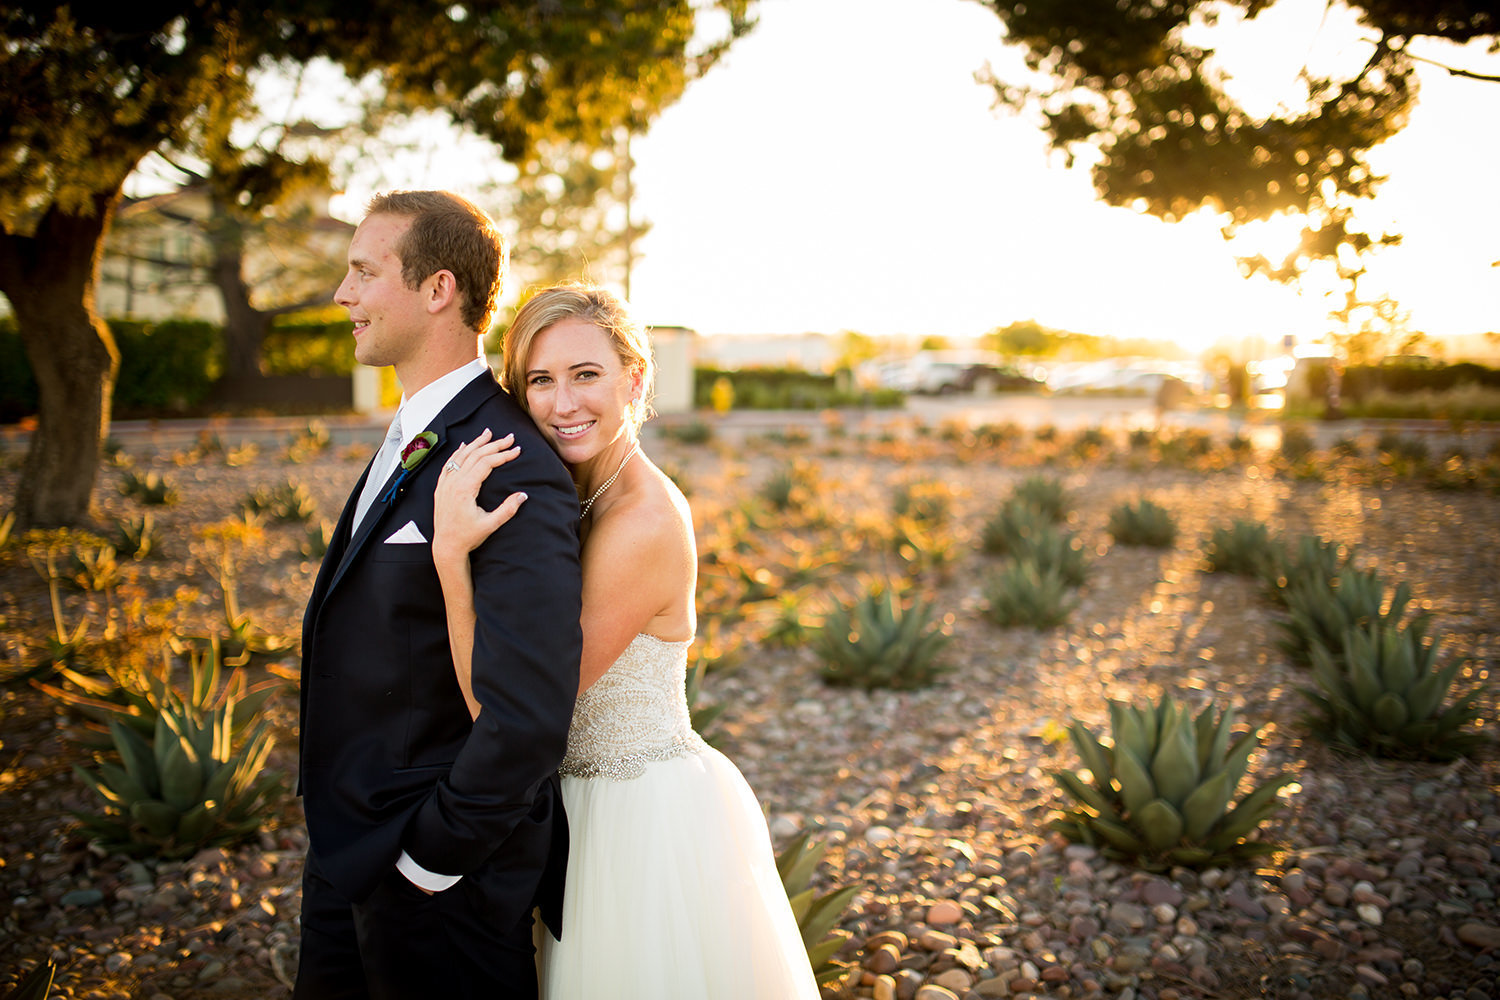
(1026,410)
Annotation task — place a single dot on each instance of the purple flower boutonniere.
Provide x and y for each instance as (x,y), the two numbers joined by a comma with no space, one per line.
(413,455)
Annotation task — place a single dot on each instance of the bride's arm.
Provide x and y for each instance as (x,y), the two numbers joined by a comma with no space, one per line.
(459,524)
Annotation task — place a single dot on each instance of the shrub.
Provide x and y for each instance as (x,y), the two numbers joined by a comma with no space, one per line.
(692,432)
(168,367)
(1023,594)
(1143,523)
(1296,443)
(876,642)
(1245,548)
(1160,793)
(1384,695)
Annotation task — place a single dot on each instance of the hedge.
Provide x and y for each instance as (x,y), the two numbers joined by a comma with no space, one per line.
(783,389)
(171,366)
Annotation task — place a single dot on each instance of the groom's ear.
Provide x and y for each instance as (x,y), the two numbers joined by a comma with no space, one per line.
(439,291)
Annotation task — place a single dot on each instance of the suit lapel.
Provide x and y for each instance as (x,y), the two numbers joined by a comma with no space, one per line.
(461,406)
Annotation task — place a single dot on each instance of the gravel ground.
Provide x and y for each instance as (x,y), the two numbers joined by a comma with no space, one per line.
(934,801)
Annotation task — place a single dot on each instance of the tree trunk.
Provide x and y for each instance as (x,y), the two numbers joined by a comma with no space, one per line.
(49,278)
(245,326)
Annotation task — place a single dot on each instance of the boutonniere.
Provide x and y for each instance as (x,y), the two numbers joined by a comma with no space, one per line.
(413,455)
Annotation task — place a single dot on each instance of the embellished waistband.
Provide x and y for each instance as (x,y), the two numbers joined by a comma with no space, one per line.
(631,765)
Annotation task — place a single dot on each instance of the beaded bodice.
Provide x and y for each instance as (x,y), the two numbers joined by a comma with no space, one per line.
(636,713)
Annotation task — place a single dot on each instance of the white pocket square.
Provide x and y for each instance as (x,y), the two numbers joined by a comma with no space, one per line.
(409,534)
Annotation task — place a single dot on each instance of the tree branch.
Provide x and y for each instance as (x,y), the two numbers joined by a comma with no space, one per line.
(1453,70)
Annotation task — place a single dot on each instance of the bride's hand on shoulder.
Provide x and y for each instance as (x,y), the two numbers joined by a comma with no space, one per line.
(459,523)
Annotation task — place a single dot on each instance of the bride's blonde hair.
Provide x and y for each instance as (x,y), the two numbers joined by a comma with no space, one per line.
(597,306)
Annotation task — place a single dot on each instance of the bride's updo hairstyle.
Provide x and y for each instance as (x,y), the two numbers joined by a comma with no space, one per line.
(597,306)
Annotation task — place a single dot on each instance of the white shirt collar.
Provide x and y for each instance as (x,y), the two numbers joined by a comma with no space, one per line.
(428,401)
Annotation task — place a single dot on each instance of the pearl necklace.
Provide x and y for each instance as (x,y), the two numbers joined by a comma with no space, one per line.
(584,512)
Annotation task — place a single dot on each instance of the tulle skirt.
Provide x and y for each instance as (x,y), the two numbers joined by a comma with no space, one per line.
(672,892)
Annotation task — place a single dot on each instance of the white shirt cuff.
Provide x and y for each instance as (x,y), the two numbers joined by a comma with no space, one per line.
(422,878)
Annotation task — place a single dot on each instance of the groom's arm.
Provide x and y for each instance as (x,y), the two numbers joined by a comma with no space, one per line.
(527,645)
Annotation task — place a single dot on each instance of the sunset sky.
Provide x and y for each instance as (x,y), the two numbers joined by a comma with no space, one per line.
(843,170)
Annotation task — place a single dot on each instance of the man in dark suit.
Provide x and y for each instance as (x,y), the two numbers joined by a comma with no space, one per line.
(433,837)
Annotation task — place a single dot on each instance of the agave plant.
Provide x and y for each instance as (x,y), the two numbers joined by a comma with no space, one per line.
(1143,523)
(702,717)
(186,789)
(1012,525)
(1046,494)
(1160,793)
(35,984)
(1384,694)
(1321,611)
(151,489)
(928,503)
(817,916)
(1055,550)
(1311,559)
(875,642)
(1024,594)
(1245,548)
(137,537)
(134,696)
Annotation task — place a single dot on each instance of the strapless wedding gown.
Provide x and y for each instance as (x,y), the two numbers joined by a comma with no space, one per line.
(672,889)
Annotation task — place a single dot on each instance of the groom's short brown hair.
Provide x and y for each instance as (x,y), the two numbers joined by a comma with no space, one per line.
(449,233)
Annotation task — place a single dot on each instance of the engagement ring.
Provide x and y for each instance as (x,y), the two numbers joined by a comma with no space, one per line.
(451,466)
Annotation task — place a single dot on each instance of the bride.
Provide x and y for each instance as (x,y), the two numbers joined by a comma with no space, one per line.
(672,889)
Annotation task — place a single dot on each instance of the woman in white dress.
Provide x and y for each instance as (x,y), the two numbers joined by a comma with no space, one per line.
(672,889)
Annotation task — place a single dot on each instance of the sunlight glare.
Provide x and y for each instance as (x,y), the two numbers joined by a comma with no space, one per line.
(1271,238)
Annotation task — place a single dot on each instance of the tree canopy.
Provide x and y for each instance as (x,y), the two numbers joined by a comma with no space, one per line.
(1124,80)
(89,91)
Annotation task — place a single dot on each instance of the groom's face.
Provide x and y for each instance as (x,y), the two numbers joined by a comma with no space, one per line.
(389,317)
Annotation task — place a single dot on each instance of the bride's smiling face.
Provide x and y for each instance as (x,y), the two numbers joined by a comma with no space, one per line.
(578,390)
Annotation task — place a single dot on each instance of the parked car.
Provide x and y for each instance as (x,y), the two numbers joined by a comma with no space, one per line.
(934,373)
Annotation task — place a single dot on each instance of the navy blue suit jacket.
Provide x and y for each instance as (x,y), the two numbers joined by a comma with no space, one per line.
(390,758)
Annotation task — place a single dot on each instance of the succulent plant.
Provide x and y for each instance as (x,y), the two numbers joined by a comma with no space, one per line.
(1143,523)
(1384,694)
(1311,559)
(1044,493)
(1055,550)
(702,717)
(1161,793)
(817,916)
(150,489)
(875,642)
(1321,611)
(1014,522)
(1245,548)
(135,696)
(137,537)
(922,545)
(928,503)
(36,984)
(186,789)
(1021,593)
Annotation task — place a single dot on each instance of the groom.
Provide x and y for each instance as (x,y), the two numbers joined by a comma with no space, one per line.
(432,838)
